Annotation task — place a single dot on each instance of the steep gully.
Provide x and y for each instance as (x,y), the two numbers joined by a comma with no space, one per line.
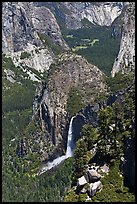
(69,152)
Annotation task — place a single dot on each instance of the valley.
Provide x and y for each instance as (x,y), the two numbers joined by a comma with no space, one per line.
(96,44)
(68,101)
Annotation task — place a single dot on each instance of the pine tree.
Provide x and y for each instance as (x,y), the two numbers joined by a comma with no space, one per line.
(105,132)
(80,159)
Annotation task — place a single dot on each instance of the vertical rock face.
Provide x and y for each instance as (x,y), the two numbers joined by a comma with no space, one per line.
(17,27)
(45,22)
(21,21)
(87,115)
(100,13)
(125,60)
(21,24)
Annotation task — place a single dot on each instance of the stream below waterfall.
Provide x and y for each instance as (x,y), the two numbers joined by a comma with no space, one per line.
(69,152)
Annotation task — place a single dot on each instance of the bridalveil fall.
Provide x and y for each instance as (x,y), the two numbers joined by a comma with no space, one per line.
(69,151)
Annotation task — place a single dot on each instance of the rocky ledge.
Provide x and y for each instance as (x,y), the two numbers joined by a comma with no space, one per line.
(90,182)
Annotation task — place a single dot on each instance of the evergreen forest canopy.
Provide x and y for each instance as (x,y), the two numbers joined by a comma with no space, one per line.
(19,180)
(96,44)
(110,148)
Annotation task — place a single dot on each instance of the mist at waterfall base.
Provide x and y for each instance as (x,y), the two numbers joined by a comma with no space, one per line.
(69,152)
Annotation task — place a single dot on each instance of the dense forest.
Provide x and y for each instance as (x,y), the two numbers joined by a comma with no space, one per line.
(18,173)
(110,148)
(19,180)
(96,44)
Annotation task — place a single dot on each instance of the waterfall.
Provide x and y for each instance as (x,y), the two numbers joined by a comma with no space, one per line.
(69,152)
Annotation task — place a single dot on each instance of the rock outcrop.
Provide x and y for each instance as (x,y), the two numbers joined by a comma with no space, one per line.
(93,188)
(90,182)
(17,27)
(93,175)
(45,22)
(82,181)
(125,60)
(39,58)
(68,71)
(22,24)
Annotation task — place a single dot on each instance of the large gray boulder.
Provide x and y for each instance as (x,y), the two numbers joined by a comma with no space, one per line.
(80,184)
(82,181)
(93,175)
(104,168)
(85,188)
(93,188)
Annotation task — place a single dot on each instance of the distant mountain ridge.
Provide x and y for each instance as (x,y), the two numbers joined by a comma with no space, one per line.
(72,13)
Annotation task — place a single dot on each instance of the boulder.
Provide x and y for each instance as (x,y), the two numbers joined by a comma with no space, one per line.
(80,184)
(93,188)
(85,188)
(82,181)
(104,168)
(93,175)
(86,176)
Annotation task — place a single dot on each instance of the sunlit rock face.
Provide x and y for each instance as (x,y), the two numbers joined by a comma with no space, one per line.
(17,27)
(45,22)
(125,60)
(21,24)
(100,13)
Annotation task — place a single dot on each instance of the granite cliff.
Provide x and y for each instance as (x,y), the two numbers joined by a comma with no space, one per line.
(22,27)
(71,14)
(69,71)
(125,60)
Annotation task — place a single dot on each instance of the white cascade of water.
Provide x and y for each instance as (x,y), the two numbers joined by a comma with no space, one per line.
(69,152)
